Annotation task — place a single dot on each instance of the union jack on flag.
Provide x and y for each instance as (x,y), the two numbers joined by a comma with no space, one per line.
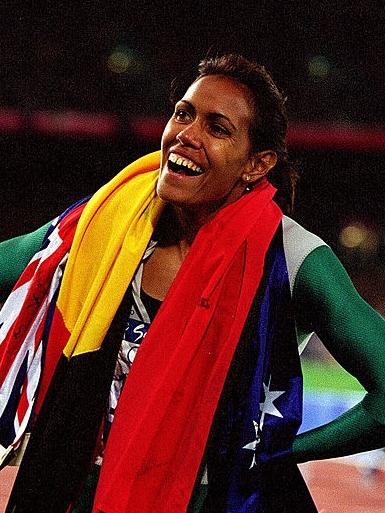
(24,325)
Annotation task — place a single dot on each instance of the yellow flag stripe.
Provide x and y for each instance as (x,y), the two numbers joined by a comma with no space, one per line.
(112,235)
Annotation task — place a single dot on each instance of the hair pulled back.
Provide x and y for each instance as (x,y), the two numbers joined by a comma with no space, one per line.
(268,130)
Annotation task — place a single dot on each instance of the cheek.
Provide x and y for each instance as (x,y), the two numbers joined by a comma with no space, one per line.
(167,137)
(169,133)
(233,165)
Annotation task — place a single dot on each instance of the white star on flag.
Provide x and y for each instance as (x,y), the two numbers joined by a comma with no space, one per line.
(253,445)
(267,407)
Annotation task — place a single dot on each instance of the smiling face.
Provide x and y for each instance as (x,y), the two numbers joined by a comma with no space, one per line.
(206,147)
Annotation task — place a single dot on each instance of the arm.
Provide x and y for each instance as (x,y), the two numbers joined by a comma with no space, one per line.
(14,256)
(326,302)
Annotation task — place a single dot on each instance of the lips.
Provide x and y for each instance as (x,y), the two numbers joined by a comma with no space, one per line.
(183,165)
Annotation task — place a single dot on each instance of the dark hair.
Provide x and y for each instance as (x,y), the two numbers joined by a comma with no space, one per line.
(269,128)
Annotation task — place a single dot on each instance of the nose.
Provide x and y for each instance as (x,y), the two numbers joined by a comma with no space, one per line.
(190,136)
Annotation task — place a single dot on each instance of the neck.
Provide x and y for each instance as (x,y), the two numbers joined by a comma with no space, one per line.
(191,219)
(181,224)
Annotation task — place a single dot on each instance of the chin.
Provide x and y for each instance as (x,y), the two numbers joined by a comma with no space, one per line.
(169,194)
(177,198)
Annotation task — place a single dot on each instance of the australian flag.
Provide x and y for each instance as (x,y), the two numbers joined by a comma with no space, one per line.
(250,468)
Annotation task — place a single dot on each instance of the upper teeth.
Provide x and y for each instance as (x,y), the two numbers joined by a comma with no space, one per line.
(181,161)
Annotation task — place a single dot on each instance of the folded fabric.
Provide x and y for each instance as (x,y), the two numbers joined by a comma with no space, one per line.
(111,237)
(24,325)
(170,396)
(167,407)
(118,236)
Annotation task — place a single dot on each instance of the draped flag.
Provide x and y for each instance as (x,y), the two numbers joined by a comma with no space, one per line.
(249,451)
(171,393)
(24,323)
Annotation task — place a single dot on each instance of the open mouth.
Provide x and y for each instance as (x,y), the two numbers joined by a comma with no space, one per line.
(183,166)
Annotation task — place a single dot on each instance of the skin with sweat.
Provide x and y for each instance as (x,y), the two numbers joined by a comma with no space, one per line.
(209,133)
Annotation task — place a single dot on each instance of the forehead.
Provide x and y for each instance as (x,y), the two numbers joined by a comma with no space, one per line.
(222,95)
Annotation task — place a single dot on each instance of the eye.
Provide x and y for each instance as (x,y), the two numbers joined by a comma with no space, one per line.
(219,130)
(181,115)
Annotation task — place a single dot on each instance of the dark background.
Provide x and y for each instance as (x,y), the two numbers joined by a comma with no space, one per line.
(120,58)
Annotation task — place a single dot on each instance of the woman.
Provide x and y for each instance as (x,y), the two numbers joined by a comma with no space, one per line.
(208,415)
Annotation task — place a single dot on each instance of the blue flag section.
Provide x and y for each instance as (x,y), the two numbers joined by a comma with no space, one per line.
(249,455)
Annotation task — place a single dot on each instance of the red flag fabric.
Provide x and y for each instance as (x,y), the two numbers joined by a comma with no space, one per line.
(166,409)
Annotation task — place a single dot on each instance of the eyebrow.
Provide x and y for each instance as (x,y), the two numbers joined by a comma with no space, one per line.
(211,115)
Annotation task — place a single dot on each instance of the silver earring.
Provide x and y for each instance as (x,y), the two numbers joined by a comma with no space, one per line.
(247,179)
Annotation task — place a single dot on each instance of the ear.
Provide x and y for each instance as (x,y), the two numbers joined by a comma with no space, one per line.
(259,165)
